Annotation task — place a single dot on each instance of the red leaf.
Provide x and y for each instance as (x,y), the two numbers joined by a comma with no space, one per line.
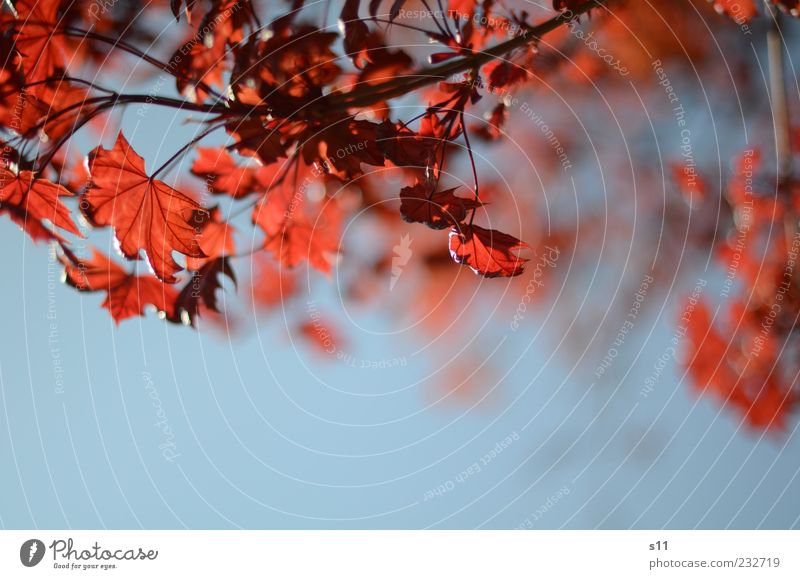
(147,214)
(201,291)
(43,52)
(404,147)
(493,129)
(341,147)
(197,63)
(276,208)
(419,204)
(487,252)
(301,240)
(128,294)
(215,237)
(256,138)
(60,109)
(222,174)
(35,199)
(271,285)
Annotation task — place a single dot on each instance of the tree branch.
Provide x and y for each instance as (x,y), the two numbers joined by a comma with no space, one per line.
(778,99)
(423,77)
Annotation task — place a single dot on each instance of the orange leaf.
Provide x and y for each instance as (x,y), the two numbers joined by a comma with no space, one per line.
(147,214)
(35,199)
(128,294)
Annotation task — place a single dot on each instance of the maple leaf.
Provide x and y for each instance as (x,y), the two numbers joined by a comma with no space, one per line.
(466,8)
(295,65)
(691,185)
(271,286)
(26,197)
(341,147)
(256,138)
(301,241)
(222,174)
(320,334)
(493,129)
(419,204)
(274,209)
(43,53)
(146,214)
(404,147)
(383,64)
(60,109)
(127,294)
(203,59)
(201,291)
(199,63)
(308,235)
(487,252)
(215,237)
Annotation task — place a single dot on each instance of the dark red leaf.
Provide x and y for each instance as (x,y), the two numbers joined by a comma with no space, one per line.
(437,210)
(487,252)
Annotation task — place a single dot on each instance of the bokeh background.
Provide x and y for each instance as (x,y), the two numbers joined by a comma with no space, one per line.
(426,405)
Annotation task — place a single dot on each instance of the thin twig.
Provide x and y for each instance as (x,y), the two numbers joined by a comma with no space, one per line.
(780,105)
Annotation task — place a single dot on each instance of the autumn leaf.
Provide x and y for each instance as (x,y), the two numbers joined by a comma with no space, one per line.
(199,64)
(29,198)
(59,109)
(257,138)
(44,53)
(275,208)
(271,285)
(302,241)
(146,214)
(341,147)
(419,204)
(222,174)
(492,130)
(201,291)
(320,334)
(487,252)
(215,237)
(127,294)
(404,147)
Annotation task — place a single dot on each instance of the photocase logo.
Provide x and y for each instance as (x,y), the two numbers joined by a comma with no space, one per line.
(31,553)
(402,255)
